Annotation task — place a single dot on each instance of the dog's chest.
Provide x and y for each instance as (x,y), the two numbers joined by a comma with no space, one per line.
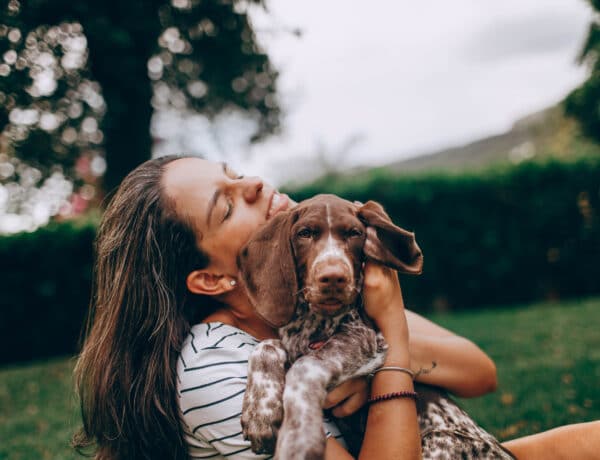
(308,331)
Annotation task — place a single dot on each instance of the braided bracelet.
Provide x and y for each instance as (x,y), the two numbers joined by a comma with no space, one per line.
(395,395)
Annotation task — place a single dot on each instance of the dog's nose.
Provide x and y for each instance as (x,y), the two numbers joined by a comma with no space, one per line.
(333,276)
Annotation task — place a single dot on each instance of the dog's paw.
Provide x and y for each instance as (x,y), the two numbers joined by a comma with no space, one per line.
(299,444)
(382,345)
(261,429)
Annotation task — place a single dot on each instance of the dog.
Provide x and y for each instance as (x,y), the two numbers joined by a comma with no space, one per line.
(303,274)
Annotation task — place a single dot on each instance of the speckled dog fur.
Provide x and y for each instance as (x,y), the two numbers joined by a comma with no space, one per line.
(448,433)
(283,268)
(349,345)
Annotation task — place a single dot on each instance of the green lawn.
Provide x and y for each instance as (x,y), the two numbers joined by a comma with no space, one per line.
(548,358)
(38,411)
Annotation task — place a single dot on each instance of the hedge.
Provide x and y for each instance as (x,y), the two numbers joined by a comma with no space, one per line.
(44,290)
(494,238)
(502,236)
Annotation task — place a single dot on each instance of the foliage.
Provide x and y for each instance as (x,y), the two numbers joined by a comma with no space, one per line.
(546,355)
(582,103)
(45,284)
(80,80)
(508,235)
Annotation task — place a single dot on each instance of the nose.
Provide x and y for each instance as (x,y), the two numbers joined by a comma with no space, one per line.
(333,276)
(251,188)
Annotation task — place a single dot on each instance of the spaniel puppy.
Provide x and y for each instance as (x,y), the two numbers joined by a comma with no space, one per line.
(303,272)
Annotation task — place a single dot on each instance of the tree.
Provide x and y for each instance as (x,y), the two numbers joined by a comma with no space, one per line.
(584,102)
(112,63)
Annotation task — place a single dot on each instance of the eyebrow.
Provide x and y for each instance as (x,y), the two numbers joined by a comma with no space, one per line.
(213,201)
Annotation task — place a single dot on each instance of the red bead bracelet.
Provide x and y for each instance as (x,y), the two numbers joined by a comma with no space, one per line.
(395,395)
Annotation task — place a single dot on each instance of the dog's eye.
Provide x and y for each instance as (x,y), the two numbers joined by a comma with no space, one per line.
(305,233)
(354,233)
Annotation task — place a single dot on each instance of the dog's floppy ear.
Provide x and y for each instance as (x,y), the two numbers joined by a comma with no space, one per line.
(388,244)
(268,271)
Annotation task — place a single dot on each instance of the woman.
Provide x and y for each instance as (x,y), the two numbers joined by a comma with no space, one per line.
(166,260)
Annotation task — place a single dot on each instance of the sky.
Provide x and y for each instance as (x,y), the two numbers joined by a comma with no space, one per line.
(373,83)
(369,83)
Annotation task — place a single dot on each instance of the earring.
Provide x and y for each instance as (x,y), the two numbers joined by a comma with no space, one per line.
(232,282)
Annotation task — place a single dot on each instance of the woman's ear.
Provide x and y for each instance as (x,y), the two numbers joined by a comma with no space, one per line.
(206,283)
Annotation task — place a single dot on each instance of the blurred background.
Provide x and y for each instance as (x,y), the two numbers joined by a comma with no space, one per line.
(477,125)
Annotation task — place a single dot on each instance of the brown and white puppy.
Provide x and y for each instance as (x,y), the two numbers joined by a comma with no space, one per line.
(303,274)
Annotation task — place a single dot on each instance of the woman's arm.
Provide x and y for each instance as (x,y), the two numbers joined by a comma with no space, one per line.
(461,366)
(392,429)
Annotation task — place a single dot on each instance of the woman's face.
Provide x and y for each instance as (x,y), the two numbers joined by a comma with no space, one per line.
(224,207)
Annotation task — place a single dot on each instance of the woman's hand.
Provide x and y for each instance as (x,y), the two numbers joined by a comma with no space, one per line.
(383,303)
(347,398)
(382,295)
(392,429)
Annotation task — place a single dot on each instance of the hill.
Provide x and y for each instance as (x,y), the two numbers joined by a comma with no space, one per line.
(547,133)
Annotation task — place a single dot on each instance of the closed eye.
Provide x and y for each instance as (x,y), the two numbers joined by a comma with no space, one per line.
(229,209)
(231,173)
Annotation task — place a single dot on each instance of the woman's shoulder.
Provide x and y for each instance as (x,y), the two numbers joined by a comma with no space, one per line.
(212,376)
(212,373)
(206,341)
(214,350)
(206,332)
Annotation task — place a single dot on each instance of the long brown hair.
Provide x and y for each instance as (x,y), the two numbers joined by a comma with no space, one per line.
(140,314)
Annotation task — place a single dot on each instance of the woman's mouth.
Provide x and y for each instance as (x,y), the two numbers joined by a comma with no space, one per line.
(279,202)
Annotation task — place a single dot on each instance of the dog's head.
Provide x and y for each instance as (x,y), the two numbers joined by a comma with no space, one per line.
(316,250)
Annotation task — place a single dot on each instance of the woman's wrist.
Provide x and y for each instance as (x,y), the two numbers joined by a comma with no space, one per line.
(398,357)
(392,320)
(390,382)
(395,332)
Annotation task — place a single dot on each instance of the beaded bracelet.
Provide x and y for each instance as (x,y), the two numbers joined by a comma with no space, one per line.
(395,395)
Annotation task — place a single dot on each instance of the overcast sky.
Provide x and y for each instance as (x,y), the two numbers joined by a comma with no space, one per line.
(385,80)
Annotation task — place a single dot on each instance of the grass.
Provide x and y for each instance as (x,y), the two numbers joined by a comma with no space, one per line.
(38,411)
(548,359)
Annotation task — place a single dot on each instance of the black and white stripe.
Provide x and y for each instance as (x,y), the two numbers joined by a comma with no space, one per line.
(212,377)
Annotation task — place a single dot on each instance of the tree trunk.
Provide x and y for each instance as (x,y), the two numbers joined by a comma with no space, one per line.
(119,64)
(126,130)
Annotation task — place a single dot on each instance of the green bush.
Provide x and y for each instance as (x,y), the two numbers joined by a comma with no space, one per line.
(505,236)
(44,290)
(499,237)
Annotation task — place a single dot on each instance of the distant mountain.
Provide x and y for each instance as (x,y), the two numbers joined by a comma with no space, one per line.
(541,135)
(547,133)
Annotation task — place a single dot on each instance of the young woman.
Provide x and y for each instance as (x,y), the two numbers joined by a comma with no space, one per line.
(162,371)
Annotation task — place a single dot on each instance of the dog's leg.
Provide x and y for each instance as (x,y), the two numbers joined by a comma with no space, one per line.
(349,353)
(262,410)
(302,436)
